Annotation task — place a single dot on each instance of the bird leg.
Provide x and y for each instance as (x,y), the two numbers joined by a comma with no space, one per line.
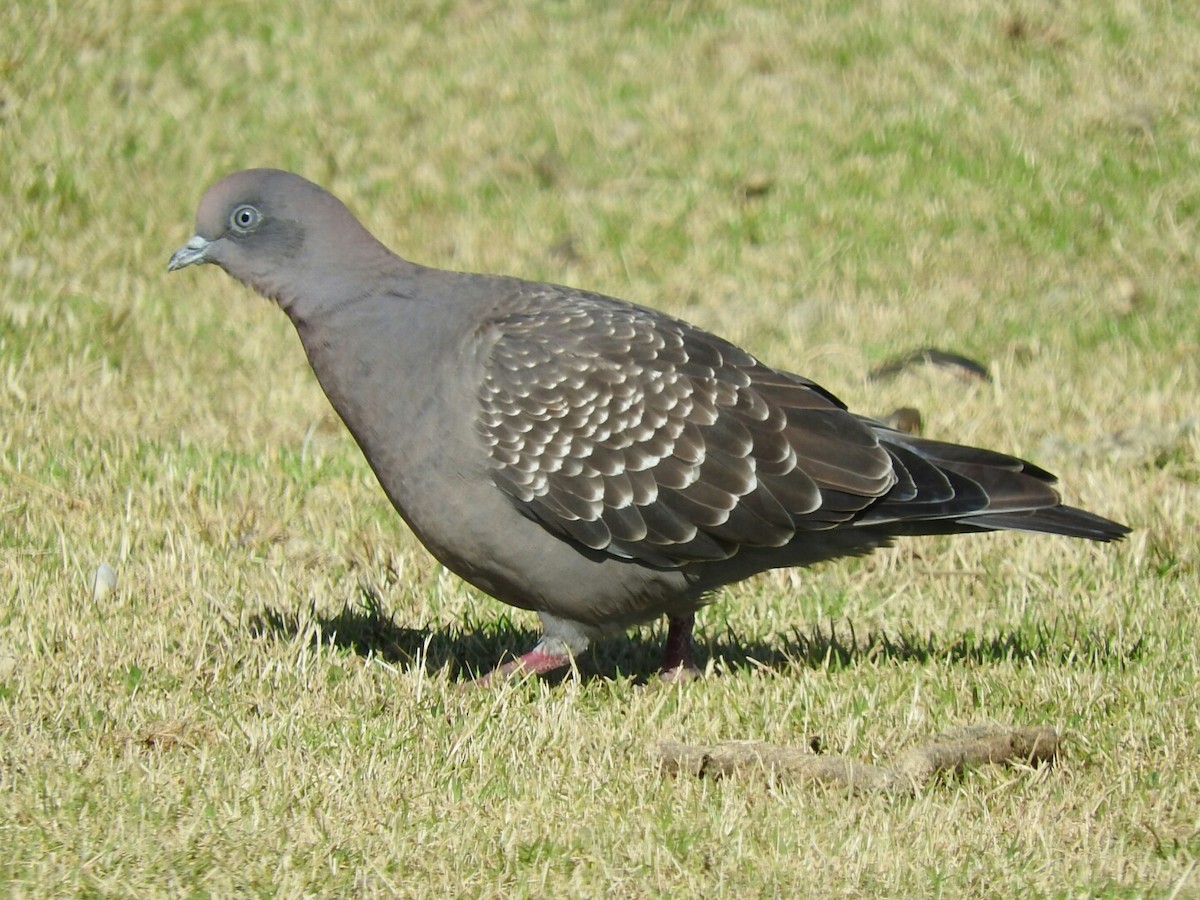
(678,664)
(557,650)
(536,662)
(561,643)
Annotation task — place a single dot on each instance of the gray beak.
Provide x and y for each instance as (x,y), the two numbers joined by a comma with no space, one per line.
(193,252)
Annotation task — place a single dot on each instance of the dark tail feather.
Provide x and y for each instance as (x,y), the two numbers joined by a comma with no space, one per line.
(1066,520)
(952,488)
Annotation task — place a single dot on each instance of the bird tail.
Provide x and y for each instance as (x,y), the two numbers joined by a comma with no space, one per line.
(1066,520)
(947,488)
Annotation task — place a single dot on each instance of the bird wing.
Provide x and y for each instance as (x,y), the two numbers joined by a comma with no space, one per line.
(640,435)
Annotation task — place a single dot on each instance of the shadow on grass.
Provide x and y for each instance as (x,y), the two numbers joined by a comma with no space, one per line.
(369,630)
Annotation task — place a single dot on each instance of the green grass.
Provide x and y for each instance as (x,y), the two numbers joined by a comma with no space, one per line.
(269,702)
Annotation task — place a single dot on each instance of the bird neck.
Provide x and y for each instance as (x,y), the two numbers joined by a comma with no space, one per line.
(332,284)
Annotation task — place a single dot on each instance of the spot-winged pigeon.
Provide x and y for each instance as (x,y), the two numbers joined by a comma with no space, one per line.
(598,462)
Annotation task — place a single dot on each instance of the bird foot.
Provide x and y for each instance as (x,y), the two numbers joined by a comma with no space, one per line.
(678,666)
(683,673)
(535,662)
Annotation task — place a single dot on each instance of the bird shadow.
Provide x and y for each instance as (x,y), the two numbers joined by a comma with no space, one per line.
(469,650)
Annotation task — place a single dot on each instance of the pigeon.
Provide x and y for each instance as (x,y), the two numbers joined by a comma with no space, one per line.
(600,463)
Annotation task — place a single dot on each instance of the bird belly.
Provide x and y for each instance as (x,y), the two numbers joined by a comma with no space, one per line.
(476,532)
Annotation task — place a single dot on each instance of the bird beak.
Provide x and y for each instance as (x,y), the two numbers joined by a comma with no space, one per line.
(193,252)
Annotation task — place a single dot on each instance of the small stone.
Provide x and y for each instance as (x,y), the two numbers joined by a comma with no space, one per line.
(103,581)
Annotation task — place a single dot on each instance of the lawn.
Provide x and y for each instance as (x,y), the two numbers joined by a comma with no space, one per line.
(271,700)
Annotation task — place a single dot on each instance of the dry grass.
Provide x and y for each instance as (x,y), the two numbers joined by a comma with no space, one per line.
(268,702)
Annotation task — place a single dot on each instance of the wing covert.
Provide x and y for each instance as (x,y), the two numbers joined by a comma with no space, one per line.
(637,434)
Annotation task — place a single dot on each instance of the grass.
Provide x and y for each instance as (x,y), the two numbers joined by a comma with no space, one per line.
(269,701)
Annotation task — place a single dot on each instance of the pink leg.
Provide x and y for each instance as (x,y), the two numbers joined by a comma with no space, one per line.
(678,664)
(535,662)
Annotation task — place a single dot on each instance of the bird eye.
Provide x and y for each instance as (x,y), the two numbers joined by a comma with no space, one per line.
(245,218)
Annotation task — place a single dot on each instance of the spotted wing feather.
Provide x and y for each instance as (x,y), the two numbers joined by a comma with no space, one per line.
(642,436)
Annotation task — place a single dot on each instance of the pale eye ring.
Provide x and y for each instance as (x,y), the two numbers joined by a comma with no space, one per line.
(245,218)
